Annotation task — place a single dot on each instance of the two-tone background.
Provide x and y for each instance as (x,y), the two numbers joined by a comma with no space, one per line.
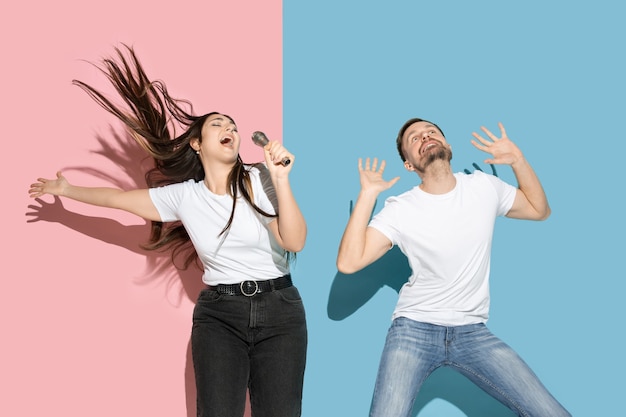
(92,325)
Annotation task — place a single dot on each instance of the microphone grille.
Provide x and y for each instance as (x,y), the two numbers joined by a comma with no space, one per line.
(259,138)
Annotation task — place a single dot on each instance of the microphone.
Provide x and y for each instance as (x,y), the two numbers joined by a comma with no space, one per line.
(261,140)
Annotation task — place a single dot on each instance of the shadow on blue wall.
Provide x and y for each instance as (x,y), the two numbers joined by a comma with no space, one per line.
(349,292)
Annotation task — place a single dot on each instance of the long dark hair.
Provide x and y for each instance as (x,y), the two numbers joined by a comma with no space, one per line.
(151,116)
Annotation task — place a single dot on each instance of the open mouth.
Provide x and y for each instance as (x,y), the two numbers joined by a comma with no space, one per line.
(226,141)
(427,146)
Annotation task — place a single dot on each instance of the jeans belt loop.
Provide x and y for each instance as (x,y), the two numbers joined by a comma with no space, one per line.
(246,283)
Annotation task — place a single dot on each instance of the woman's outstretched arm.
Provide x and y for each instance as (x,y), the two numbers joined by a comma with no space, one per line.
(135,201)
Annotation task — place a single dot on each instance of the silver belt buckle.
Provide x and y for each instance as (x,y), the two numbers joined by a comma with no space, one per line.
(256,288)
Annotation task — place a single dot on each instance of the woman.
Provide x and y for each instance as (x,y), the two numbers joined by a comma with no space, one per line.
(249,329)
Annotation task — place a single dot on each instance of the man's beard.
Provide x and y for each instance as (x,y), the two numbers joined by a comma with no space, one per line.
(443,153)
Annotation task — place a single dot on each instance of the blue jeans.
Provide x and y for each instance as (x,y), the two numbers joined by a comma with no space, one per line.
(256,343)
(413,350)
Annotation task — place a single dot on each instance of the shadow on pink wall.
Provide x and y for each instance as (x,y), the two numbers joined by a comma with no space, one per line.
(160,267)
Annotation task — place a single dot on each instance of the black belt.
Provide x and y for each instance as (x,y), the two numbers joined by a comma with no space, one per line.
(250,288)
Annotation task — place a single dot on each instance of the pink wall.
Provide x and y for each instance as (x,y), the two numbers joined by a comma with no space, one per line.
(90,324)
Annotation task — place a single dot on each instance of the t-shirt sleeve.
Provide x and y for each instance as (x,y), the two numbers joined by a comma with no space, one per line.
(505,193)
(385,221)
(167,199)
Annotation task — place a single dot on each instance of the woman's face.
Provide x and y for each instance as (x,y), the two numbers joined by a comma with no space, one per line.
(220,138)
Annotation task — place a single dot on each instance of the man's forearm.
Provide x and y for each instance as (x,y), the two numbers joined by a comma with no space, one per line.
(529,184)
(352,244)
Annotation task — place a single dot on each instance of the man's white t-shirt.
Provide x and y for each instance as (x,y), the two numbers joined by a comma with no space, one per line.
(447,240)
(247,251)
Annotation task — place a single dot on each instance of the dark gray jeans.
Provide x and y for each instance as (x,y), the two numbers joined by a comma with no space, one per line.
(256,343)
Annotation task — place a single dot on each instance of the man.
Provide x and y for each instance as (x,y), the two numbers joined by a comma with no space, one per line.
(445,227)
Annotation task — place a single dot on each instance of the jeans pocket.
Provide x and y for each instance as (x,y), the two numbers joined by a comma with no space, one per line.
(290,295)
(208,296)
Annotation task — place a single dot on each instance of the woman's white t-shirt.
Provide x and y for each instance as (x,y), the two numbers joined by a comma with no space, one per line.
(247,250)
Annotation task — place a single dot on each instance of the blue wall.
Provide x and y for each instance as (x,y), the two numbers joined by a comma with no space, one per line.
(554,74)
